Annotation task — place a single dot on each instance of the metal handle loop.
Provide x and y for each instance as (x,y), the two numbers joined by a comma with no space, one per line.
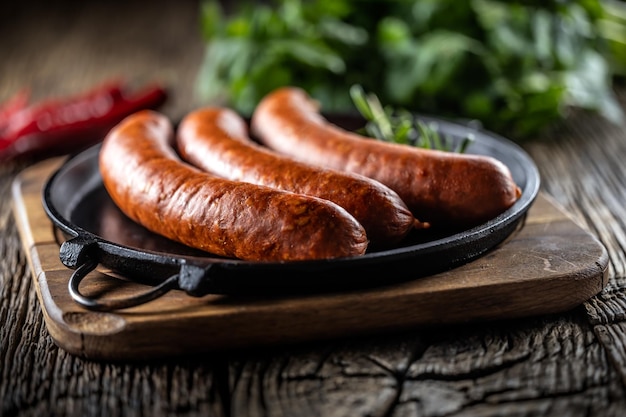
(114,304)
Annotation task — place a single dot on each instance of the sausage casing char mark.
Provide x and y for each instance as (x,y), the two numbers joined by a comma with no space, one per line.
(216,140)
(442,188)
(147,180)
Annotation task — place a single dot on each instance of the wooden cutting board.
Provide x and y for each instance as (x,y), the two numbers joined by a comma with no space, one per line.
(549,265)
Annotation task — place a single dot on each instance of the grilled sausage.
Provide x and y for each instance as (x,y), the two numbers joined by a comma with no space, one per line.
(442,188)
(150,184)
(216,140)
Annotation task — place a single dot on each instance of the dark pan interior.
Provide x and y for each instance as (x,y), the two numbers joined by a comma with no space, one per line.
(78,204)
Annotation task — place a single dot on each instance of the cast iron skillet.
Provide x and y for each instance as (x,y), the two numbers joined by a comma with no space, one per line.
(98,233)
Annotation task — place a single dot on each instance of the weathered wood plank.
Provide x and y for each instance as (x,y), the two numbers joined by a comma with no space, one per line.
(585,173)
(547,366)
(66,47)
(607,307)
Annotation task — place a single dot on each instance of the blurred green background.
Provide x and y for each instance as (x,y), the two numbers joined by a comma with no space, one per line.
(518,67)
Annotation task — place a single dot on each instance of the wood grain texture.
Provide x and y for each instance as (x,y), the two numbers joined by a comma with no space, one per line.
(566,364)
(528,367)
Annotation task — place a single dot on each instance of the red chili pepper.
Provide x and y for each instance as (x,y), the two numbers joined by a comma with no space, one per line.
(56,127)
(50,113)
(9,108)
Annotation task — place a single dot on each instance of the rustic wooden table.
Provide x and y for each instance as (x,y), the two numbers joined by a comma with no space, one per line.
(567,364)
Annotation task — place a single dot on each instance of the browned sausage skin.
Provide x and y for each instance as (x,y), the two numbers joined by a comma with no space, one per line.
(442,188)
(216,140)
(151,185)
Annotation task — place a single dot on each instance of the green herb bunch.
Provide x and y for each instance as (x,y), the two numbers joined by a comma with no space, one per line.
(516,66)
(401,126)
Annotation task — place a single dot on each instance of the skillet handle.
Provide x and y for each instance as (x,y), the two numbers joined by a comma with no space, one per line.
(77,251)
(80,253)
(117,303)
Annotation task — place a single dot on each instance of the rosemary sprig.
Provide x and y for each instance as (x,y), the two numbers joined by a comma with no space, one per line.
(401,126)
